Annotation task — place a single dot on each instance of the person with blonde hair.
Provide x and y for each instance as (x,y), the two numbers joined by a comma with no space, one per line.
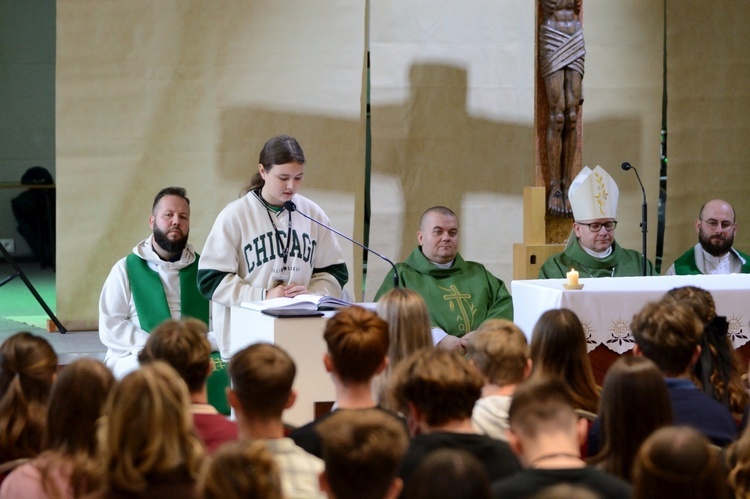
(408,320)
(28,366)
(67,468)
(148,445)
(501,353)
(558,349)
(243,469)
(677,461)
(362,451)
(185,346)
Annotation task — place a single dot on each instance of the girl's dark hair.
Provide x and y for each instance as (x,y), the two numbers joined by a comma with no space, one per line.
(278,150)
(558,349)
(634,403)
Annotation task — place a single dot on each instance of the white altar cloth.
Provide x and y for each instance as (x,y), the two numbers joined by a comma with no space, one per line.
(606,305)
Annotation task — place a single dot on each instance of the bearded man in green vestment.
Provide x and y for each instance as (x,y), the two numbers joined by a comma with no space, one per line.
(716,227)
(593,252)
(157,281)
(460,295)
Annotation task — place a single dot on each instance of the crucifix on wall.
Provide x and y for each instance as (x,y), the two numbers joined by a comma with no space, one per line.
(561,53)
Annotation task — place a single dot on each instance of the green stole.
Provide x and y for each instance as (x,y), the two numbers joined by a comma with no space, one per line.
(685,264)
(151,305)
(151,300)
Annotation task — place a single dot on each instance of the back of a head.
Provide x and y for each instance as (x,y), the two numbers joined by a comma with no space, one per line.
(558,348)
(567,491)
(184,346)
(27,368)
(699,299)
(667,332)
(542,406)
(500,351)
(408,320)
(449,474)
(241,469)
(75,404)
(634,403)
(362,451)
(358,342)
(262,376)
(677,461)
(443,385)
(149,429)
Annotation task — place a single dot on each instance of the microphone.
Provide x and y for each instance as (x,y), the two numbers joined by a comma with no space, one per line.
(290,206)
(644,215)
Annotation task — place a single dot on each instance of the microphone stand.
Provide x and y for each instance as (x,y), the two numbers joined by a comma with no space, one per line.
(644,217)
(290,206)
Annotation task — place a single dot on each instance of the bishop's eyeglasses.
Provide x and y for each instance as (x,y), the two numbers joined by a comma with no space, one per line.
(597,226)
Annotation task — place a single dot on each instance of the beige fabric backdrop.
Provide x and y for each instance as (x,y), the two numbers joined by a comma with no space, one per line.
(453,113)
(185,92)
(709,122)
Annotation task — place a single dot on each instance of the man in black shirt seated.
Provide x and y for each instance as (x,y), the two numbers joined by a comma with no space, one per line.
(546,434)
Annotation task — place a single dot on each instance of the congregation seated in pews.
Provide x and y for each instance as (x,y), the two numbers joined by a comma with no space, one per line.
(530,416)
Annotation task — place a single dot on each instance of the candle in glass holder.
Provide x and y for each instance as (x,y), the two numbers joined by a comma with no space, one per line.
(573,277)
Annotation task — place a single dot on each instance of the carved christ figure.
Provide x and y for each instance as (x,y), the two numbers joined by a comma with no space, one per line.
(561,56)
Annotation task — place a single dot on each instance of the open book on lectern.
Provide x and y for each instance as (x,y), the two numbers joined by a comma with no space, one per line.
(307,302)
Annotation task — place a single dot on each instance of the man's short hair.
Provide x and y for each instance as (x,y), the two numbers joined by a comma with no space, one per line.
(540,405)
(667,332)
(441,384)
(241,468)
(443,210)
(500,351)
(262,377)
(357,341)
(678,461)
(362,451)
(170,191)
(184,346)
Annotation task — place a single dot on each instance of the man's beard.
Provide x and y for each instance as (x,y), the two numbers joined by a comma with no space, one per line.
(172,247)
(715,249)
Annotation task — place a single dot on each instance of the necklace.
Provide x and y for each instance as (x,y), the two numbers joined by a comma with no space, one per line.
(283,247)
(545,457)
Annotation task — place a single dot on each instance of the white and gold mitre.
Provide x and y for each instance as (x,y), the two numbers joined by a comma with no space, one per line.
(593,194)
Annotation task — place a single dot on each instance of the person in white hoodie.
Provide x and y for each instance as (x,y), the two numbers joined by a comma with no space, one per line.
(158,281)
(259,249)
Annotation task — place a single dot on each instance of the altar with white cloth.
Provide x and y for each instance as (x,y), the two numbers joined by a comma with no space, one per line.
(606,306)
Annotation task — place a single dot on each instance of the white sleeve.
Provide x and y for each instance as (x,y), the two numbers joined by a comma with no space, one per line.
(119,329)
(221,255)
(437,335)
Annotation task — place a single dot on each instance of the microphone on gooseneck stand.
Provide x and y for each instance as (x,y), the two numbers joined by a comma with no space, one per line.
(644,215)
(290,206)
